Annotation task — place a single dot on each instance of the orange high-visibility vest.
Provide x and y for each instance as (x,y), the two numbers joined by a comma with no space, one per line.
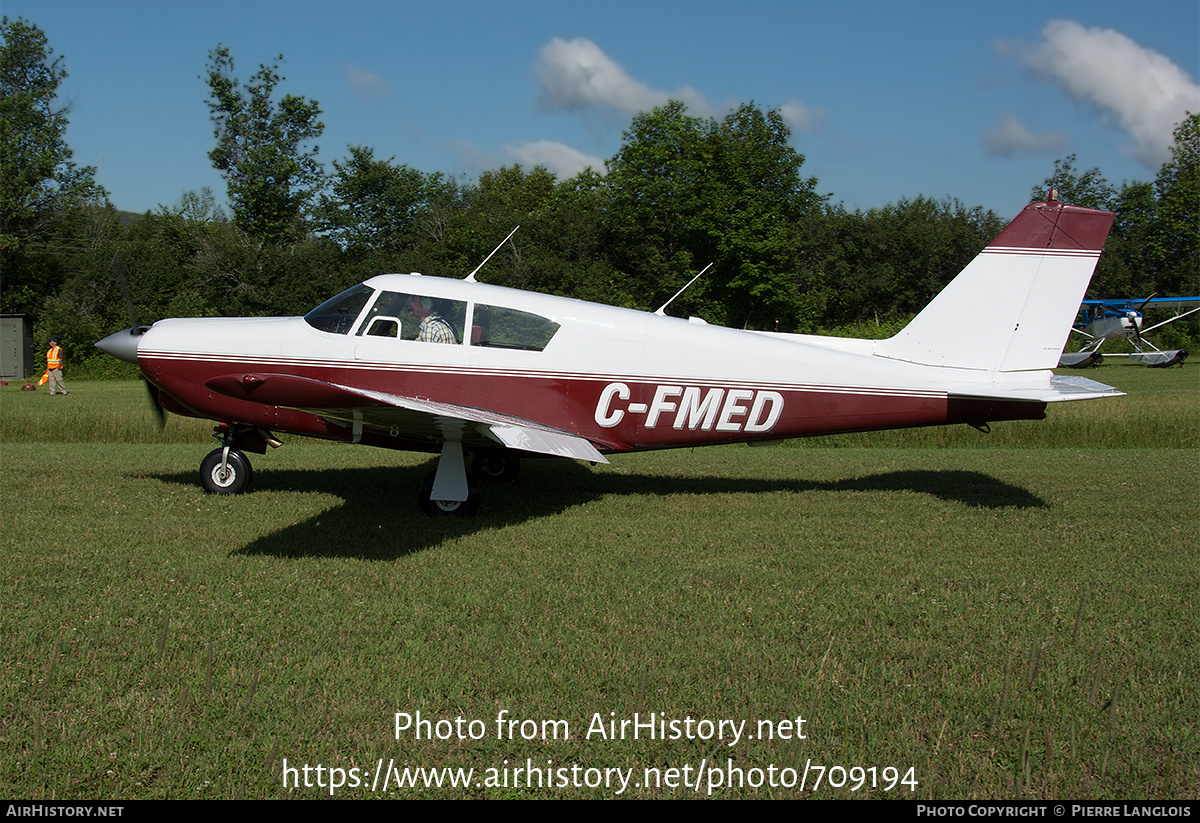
(54,357)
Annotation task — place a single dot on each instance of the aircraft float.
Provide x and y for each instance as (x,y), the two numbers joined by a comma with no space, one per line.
(470,370)
(1101,320)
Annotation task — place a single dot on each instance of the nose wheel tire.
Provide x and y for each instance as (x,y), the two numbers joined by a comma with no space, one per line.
(231,478)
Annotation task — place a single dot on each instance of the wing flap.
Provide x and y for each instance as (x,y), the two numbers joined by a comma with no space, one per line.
(559,444)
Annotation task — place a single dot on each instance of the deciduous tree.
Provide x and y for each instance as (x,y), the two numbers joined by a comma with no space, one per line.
(1089,189)
(38,180)
(270,173)
(372,204)
(1177,236)
(686,191)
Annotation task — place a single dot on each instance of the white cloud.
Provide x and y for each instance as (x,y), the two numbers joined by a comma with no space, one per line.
(577,75)
(1141,90)
(472,158)
(563,160)
(799,117)
(366,83)
(1009,137)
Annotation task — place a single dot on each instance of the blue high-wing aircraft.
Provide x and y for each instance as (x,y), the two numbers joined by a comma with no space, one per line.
(1101,320)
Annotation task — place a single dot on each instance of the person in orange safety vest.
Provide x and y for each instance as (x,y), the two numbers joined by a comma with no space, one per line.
(54,367)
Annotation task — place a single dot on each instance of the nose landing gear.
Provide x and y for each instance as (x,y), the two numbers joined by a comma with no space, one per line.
(227,470)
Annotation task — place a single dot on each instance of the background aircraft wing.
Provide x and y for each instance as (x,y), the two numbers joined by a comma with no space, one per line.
(1181,302)
(1124,304)
(404,416)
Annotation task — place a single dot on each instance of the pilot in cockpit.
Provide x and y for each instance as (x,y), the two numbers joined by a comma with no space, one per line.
(434,328)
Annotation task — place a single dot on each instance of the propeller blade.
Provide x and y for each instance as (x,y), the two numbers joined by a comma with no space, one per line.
(123,345)
(152,390)
(118,270)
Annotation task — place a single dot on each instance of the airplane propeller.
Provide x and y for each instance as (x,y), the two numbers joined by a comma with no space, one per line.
(124,344)
(159,413)
(1134,316)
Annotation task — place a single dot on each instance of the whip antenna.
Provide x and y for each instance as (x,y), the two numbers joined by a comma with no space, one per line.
(681,291)
(470,278)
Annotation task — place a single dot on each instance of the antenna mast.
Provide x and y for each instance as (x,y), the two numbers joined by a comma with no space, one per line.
(681,291)
(470,278)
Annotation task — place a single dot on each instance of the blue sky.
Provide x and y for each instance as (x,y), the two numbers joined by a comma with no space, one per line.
(886,100)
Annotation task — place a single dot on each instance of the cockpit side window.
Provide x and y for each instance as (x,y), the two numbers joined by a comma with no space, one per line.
(414,317)
(337,314)
(503,328)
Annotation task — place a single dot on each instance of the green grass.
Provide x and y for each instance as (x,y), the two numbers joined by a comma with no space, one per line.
(1160,408)
(1006,620)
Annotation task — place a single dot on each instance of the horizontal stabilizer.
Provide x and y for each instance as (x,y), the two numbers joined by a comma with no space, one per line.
(1060,388)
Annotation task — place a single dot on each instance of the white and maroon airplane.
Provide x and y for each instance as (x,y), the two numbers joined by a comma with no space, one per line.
(468,369)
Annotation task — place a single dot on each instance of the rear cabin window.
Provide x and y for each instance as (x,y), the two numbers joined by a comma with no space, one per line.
(501,328)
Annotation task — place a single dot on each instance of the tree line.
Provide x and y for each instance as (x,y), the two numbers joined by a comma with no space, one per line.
(681,192)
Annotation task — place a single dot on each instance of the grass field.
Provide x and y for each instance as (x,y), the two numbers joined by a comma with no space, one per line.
(952,614)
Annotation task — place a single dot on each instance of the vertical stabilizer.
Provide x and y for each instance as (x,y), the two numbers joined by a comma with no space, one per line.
(1012,307)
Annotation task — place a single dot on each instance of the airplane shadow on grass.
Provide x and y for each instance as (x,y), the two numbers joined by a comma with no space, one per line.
(379,518)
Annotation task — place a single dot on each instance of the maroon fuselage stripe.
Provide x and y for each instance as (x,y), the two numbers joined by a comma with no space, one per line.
(572,403)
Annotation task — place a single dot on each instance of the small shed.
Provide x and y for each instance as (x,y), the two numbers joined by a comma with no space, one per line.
(16,347)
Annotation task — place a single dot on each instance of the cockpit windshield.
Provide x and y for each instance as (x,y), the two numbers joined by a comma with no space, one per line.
(337,314)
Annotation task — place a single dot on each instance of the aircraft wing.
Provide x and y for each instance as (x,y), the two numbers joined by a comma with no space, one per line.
(402,415)
(1179,302)
(1061,388)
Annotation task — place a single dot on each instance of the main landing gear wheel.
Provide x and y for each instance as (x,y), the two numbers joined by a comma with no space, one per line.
(231,478)
(493,467)
(456,508)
